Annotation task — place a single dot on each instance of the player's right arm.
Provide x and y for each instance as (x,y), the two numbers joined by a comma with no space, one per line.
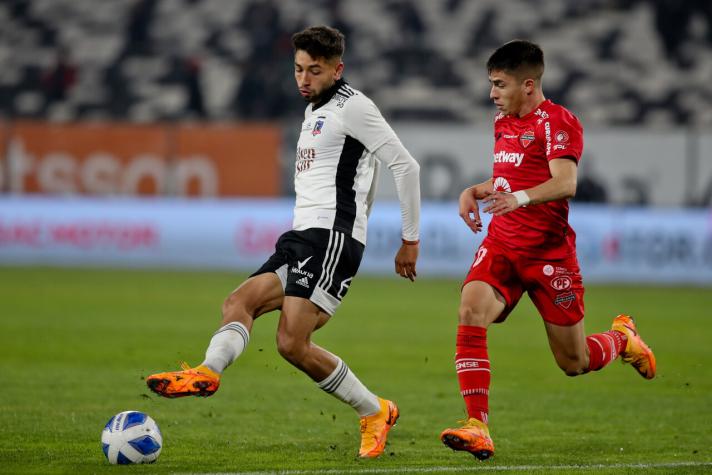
(469,209)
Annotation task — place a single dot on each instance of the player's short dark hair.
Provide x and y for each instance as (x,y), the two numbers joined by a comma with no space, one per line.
(320,42)
(520,58)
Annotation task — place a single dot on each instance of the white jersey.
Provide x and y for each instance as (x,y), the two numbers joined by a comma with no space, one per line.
(336,162)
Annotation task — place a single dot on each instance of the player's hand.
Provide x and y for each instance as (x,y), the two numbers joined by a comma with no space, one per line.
(470,210)
(405,261)
(500,203)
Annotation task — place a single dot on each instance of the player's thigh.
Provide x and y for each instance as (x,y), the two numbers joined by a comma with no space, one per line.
(556,289)
(480,304)
(491,288)
(568,345)
(257,295)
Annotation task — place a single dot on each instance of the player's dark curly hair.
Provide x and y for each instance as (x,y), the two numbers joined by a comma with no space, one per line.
(320,42)
(519,58)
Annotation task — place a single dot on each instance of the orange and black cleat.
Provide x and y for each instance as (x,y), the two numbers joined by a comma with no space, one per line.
(200,381)
(636,352)
(374,429)
(473,436)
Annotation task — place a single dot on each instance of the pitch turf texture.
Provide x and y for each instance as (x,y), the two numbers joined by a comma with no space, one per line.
(76,345)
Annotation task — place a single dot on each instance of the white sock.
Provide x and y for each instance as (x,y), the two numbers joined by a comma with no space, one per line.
(226,345)
(343,384)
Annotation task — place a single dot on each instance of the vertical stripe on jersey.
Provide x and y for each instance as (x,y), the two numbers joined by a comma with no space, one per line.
(345,178)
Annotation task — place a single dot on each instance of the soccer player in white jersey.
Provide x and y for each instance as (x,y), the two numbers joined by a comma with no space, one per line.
(343,138)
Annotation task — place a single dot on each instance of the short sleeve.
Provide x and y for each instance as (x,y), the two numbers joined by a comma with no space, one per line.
(563,135)
(364,122)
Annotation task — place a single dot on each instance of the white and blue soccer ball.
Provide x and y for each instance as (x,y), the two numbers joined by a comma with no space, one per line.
(131,437)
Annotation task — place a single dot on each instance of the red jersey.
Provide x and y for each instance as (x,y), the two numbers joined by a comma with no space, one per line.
(523,147)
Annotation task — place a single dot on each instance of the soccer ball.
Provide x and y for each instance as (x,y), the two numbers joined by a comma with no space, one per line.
(131,437)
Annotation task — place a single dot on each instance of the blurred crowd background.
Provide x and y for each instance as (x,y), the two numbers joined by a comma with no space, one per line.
(162,133)
(613,62)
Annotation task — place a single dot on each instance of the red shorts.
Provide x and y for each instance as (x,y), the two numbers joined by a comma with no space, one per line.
(555,287)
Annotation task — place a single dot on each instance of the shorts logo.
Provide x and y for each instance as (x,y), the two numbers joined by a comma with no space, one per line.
(565,299)
(300,264)
(304,282)
(345,284)
(303,272)
(526,138)
(317,127)
(562,282)
(481,253)
(548,269)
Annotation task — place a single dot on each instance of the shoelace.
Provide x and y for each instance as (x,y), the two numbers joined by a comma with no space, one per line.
(472,425)
(185,366)
(366,428)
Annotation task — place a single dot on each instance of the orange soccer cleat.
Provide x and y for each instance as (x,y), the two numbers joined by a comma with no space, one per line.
(636,352)
(374,429)
(200,381)
(473,436)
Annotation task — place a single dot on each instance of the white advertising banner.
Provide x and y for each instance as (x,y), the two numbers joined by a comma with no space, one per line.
(646,245)
(623,166)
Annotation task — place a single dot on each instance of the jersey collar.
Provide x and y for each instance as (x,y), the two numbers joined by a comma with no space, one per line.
(329,94)
(543,105)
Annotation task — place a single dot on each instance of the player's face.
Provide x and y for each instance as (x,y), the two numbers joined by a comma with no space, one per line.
(508,92)
(315,76)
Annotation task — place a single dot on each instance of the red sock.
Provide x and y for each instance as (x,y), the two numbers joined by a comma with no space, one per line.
(604,348)
(473,370)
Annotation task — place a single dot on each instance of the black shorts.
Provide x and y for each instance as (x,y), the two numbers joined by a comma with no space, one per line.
(315,264)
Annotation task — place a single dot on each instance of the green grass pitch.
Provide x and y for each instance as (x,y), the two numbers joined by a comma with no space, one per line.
(75,345)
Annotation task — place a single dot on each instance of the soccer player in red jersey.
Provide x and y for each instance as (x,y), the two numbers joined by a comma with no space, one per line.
(530,246)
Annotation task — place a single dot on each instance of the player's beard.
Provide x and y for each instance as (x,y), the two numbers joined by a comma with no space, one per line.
(316,99)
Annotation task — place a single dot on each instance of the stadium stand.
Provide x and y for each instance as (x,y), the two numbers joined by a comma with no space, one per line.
(614,62)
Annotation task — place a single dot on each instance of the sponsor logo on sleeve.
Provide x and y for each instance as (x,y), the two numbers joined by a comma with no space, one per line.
(562,140)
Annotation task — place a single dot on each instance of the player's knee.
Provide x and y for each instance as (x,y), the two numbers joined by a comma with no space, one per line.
(472,316)
(573,367)
(291,349)
(232,305)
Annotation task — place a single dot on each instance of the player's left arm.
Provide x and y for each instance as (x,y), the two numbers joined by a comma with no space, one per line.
(561,186)
(406,174)
(364,122)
